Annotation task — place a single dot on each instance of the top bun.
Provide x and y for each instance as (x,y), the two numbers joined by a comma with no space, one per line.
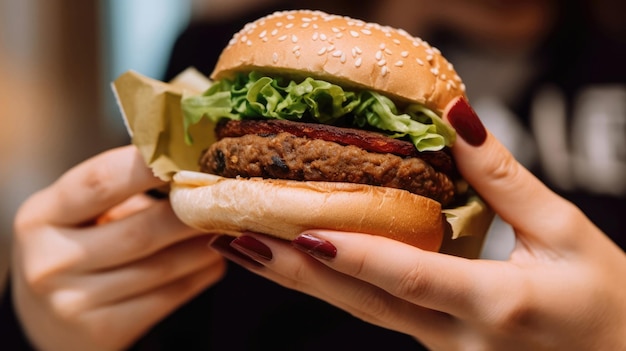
(345,51)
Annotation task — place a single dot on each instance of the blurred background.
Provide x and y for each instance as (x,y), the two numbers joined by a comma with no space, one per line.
(58,57)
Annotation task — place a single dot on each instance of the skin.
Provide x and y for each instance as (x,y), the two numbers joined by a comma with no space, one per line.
(96,263)
(562,287)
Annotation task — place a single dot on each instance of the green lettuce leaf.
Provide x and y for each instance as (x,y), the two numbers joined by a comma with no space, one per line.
(256,96)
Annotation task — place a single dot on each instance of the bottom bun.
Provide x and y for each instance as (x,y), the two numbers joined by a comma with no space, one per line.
(285,208)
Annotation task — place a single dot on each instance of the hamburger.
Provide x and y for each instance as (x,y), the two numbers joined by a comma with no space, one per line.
(328,122)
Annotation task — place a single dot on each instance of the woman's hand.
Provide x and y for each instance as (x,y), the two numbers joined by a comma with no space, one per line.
(563,286)
(96,263)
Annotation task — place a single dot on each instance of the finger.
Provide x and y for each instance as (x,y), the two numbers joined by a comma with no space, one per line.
(453,285)
(132,205)
(126,240)
(141,277)
(295,270)
(94,186)
(514,193)
(119,324)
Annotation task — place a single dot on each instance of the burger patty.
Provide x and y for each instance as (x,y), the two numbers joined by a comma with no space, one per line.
(285,156)
(367,140)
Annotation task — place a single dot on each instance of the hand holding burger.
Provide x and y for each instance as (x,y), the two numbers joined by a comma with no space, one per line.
(561,289)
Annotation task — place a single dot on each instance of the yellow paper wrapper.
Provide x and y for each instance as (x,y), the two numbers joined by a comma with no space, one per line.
(154,119)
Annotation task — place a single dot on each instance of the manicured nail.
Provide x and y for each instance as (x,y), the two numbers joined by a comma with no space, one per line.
(314,246)
(222,244)
(252,247)
(466,123)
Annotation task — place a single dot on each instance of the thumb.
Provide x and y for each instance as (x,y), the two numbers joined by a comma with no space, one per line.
(516,195)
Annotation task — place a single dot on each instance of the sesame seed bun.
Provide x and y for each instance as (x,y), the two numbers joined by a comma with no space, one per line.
(345,51)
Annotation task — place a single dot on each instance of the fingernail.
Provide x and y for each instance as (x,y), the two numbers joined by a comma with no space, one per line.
(252,247)
(466,123)
(314,246)
(222,244)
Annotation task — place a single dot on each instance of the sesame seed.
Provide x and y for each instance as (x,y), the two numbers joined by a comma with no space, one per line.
(265,40)
(338,35)
(420,62)
(379,55)
(289,26)
(294,39)
(462,87)
(322,51)
(244,38)
(448,86)
(396,41)
(279,24)
(384,71)
(305,25)
(381,62)
(416,43)
(335,30)
(343,58)
(443,76)
(434,71)
(295,48)
(282,38)
(316,26)
(353,52)
(404,54)
(366,31)
(315,36)
(323,36)
(358,62)
(263,34)
(275,57)
(274,32)
(452,83)
(290,17)
(388,52)
(399,63)
(358,50)
(382,46)
(249,42)
(354,33)
(331,48)
(306,19)
(337,53)
(429,58)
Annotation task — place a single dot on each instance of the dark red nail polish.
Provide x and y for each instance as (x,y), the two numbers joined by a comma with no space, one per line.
(466,123)
(222,244)
(252,247)
(315,246)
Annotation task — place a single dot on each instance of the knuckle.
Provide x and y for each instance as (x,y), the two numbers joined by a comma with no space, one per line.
(515,314)
(135,239)
(102,329)
(502,168)
(68,305)
(376,302)
(96,183)
(412,283)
